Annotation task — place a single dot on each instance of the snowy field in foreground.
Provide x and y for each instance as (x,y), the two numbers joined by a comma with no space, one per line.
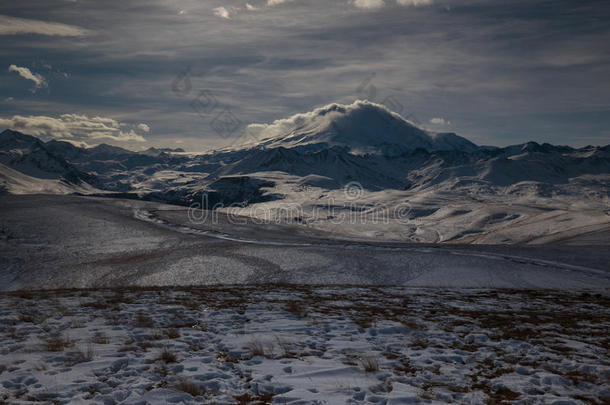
(304,345)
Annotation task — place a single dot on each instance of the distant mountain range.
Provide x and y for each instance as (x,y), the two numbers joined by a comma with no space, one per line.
(316,154)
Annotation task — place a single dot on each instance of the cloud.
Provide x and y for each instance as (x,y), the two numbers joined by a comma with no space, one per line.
(323,116)
(228,12)
(80,144)
(15,26)
(414,2)
(27,74)
(365,4)
(372,4)
(276,2)
(462,65)
(439,121)
(76,127)
(222,12)
(369,3)
(118,136)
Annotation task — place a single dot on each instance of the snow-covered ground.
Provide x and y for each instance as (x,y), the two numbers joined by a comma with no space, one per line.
(210,317)
(437,214)
(82,242)
(304,345)
(15,182)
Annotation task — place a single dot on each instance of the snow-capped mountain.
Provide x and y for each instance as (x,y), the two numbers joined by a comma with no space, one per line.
(466,192)
(361,127)
(25,159)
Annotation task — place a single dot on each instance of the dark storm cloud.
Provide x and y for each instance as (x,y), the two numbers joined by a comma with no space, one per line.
(501,72)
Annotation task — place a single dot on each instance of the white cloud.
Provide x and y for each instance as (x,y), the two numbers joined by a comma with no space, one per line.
(118,136)
(368,3)
(80,144)
(372,4)
(228,12)
(414,2)
(439,121)
(222,12)
(76,127)
(281,127)
(27,74)
(143,127)
(14,26)
(276,2)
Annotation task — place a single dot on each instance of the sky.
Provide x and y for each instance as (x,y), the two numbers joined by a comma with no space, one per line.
(195,73)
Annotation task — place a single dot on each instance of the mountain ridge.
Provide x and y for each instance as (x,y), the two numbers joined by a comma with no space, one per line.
(454,191)
(116,169)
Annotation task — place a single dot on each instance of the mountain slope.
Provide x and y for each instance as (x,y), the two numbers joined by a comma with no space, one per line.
(16,182)
(30,156)
(361,127)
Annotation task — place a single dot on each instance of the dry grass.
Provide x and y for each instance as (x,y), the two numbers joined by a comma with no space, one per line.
(426,394)
(383,387)
(286,347)
(162,370)
(119,298)
(405,367)
(58,343)
(63,310)
(420,342)
(155,335)
(112,319)
(247,398)
(127,348)
(98,304)
(502,396)
(26,317)
(188,302)
(145,345)
(167,356)
(364,321)
(369,364)
(76,324)
(172,333)
(25,295)
(12,333)
(79,356)
(226,357)
(144,321)
(100,339)
(188,386)
(458,388)
(296,308)
(256,347)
